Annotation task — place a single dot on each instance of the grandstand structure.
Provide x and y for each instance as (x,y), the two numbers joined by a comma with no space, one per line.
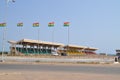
(28,46)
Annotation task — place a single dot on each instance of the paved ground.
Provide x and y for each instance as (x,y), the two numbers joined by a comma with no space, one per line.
(54,71)
(99,69)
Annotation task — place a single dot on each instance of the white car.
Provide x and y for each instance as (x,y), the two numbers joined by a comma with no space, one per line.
(54,53)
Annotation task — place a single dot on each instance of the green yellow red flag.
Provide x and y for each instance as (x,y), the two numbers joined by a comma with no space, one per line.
(51,24)
(20,24)
(66,24)
(2,24)
(36,24)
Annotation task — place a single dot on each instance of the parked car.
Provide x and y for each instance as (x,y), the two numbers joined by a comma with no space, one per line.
(63,54)
(54,53)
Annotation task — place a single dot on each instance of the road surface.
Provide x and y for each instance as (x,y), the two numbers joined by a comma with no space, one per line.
(55,71)
(99,69)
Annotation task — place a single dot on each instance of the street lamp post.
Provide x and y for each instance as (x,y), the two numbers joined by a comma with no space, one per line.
(4,31)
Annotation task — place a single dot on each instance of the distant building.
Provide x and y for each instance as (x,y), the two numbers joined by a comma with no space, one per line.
(117,52)
(28,46)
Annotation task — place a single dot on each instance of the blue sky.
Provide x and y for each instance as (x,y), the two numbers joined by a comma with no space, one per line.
(93,23)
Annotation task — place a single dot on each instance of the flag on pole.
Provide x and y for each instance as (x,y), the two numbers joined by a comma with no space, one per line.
(2,24)
(36,24)
(66,24)
(51,24)
(20,24)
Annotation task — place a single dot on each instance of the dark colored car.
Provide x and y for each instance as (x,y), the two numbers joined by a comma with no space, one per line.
(63,54)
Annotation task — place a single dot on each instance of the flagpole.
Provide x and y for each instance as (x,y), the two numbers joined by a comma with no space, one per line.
(20,47)
(66,24)
(68,36)
(53,35)
(21,41)
(38,39)
(53,38)
(51,24)
(68,39)
(3,44)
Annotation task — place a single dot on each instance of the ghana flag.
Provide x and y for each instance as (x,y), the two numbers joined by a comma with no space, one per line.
(51,24)
(66,24)
(2,24)
(20,24)
(36,24)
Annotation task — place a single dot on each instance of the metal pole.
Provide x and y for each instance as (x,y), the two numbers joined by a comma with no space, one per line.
(3,45)
(53,36)
(21,42)
(53,39)
(68,36)
(4,32)
(20,45)
(38,41)
(68,40)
